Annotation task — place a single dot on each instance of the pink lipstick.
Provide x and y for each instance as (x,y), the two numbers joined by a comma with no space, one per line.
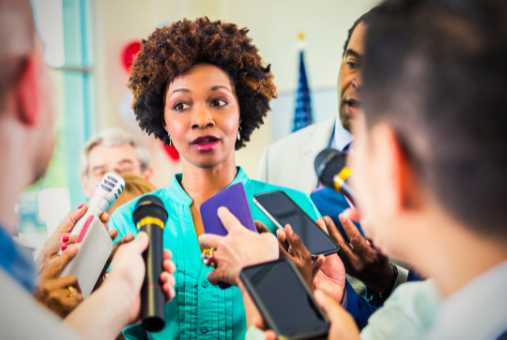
(205,143)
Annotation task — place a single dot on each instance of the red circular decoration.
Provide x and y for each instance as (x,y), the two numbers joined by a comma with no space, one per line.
(129,53)
(172,152)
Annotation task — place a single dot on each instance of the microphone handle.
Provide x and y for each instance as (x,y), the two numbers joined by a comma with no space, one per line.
(152,295)
(96,206)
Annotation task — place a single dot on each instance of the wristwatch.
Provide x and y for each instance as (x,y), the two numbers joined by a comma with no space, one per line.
(378,299)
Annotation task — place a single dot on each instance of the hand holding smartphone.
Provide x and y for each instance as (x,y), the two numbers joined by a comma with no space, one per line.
(282,210)
(233,198)
(284,300)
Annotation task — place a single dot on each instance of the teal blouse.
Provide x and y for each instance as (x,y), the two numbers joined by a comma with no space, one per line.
(199,310)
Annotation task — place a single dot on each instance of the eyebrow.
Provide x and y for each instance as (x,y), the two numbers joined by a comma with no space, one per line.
(179,90)
(351,52)
(104,165)
(217,87)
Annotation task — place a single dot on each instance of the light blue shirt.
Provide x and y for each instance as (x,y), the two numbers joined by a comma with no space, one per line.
(199,310)
(477,311)
(408,313)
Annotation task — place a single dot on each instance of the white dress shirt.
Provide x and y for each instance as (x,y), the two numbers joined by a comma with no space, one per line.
(477,311)
(341,137)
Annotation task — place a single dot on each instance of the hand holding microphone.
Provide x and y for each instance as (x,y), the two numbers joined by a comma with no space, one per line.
(106,192)
(61,237)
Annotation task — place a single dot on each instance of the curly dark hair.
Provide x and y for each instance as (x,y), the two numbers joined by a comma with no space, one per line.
(171,51)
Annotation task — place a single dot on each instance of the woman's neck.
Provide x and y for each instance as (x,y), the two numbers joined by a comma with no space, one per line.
(202,183)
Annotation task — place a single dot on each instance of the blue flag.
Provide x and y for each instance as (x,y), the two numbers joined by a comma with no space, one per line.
(303,112)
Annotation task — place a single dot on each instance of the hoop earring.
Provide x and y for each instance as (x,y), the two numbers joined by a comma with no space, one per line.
(239,134)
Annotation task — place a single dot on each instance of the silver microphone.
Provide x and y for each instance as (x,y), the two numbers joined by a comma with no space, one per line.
(106,192)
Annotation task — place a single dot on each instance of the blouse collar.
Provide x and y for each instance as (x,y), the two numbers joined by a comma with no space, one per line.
(176,192)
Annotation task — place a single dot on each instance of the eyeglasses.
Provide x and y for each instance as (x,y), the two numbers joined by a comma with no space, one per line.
(124,167)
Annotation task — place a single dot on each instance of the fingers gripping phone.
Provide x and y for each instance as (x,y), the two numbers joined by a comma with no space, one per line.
(282,210)
(284,300)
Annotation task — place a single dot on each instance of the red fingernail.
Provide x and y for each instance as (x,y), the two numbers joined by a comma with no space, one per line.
(64,247)
(80,206)
(65,239)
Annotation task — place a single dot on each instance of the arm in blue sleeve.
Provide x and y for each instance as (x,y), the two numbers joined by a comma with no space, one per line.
(358,307)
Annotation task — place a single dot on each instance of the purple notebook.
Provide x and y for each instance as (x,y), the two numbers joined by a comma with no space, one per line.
(233,198)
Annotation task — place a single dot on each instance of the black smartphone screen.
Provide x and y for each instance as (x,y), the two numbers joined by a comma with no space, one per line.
(286,304)
(285,211)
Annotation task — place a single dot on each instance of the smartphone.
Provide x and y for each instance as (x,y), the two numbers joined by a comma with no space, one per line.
(282,210)
(233,198)
(284,300)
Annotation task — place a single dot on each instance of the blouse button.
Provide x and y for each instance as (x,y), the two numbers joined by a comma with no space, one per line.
(204,329)
(204,284)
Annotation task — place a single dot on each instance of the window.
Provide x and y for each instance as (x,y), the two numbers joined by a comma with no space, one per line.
(65,28)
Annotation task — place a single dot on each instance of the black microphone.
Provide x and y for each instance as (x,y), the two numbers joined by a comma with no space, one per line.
(150,216)
(332,172)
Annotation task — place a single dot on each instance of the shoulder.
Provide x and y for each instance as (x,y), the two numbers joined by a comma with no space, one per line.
(129,207)
(121,219)
(294,139)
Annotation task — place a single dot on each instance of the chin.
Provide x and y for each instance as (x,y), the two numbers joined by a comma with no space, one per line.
(206,160)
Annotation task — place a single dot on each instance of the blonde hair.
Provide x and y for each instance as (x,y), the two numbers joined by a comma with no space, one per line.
(135,186)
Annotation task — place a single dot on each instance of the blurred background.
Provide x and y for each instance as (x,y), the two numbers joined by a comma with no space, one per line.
(88,44)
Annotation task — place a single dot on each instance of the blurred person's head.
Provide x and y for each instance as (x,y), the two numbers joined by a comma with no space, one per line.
(196,85)
(135,186)
(27,102)
(349,77)
(430,153)
(112,150)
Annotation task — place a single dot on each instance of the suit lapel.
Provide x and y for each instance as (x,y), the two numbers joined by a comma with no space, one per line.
(309,147)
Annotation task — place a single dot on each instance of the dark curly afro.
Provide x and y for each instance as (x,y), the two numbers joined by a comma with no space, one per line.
(171,51)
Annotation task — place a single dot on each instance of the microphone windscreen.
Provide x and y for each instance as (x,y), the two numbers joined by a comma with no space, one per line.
(152,206)
(328,163)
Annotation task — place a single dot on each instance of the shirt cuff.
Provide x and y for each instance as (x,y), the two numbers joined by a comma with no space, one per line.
(345,298)
(253,333)
(402,277)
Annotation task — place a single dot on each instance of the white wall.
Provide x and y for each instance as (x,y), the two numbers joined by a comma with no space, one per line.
(273,24)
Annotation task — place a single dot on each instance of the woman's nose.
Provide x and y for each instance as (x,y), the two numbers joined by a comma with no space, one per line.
(202,118)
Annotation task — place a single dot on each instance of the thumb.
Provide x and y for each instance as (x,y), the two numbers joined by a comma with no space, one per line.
(329,305)
(56,267)
(70,221)
(228,219)
(140,243)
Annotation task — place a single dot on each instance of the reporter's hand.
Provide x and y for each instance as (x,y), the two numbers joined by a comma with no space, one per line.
(61,237)
(258,322)
(362,260)
(127,275)
(331,278)
(124,240)
(343,326)
(292,247)
(53,292)
(240,248)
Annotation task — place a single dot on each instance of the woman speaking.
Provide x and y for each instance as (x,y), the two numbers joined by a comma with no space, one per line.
(202,87)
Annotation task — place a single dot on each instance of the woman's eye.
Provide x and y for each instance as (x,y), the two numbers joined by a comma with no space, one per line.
(219,102)
(181,106)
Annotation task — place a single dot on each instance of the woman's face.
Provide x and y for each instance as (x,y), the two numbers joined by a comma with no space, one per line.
(202,115)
